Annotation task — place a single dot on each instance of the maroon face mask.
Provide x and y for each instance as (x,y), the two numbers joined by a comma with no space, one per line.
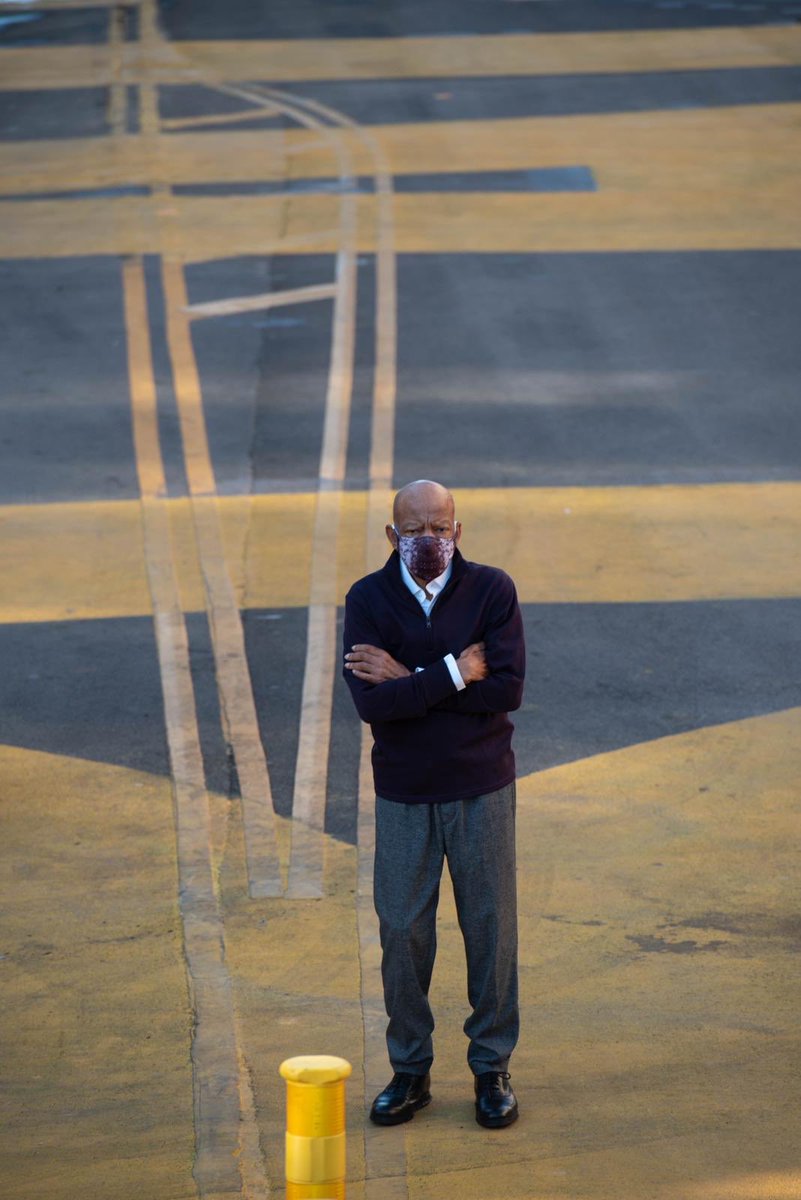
(426,557)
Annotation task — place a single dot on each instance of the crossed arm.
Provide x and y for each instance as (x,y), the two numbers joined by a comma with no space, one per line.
(374,665)
(384,689)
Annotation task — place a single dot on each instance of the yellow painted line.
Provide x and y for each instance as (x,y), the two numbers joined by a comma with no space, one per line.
(412,58)
(672,542)
(215,1070)
(117,102)
(239,304)
(237,706)
(738,146)
(228,642)
(453,223)
(384,1156)
(306,863)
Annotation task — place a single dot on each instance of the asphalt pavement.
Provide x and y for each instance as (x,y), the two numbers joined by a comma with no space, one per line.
(260,265)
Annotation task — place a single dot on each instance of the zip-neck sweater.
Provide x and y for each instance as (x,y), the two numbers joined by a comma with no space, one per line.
(432,742)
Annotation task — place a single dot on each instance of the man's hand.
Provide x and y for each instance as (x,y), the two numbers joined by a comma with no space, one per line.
(472,664)
(374,665)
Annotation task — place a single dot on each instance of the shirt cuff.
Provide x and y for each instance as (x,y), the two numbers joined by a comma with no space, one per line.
(456,674)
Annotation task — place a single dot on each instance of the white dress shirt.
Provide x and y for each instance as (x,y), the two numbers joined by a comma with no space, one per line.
(427,598)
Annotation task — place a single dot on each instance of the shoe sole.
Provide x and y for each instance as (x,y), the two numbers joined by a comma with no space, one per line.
(499,1122)
(404,1117)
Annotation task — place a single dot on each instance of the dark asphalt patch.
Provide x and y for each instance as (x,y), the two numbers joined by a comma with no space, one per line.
(276,648)
(52,114)
(601,677)
(110,193)
(178,101)
(78,27)
(538,179)
(265,374)
(218,760)
(604,676)
(85,689)
(201,19)
(523,370)
(475,98)
(65,420)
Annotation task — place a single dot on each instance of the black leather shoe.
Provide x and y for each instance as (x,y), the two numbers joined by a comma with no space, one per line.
(400,1099)
(496,1104)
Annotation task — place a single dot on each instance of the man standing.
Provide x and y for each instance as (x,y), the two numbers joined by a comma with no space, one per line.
(434,658)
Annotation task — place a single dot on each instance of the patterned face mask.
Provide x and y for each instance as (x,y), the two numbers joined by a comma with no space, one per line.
(425,557)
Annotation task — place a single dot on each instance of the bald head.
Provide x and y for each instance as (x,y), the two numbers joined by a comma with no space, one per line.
(423,509)
(422,494)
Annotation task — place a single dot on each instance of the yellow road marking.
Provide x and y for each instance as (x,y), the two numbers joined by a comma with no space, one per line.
(226,1139)
(314,734)
(233,677)
(214,1053)
(384,1155)
(737,146)
(414,57)
(455,223)
(83,561)
(117,104)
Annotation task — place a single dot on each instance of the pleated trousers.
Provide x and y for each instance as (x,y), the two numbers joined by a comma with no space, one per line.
(477,838)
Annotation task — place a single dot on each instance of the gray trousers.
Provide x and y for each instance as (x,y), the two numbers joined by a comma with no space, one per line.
(477,837)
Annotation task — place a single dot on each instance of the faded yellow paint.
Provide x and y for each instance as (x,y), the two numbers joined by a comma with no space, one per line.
(617,544)
(659,977)
(718,179)
(659,983)
(738,146)
(436,223)
(644,1065)
(304,59)
(95,1015)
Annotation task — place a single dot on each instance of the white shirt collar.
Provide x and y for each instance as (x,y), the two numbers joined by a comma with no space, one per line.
(434,587)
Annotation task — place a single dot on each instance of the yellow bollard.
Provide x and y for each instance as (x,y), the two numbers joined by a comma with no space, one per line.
(315,1126)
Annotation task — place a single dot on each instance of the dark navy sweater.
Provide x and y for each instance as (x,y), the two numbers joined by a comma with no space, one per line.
(432,742)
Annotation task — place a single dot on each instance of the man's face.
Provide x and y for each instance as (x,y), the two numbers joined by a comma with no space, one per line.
(426,512)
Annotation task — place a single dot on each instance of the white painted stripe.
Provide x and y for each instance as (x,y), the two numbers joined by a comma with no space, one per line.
(240,304)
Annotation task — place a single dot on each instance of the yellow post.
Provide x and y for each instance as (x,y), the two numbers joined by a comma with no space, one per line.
(315,1126)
